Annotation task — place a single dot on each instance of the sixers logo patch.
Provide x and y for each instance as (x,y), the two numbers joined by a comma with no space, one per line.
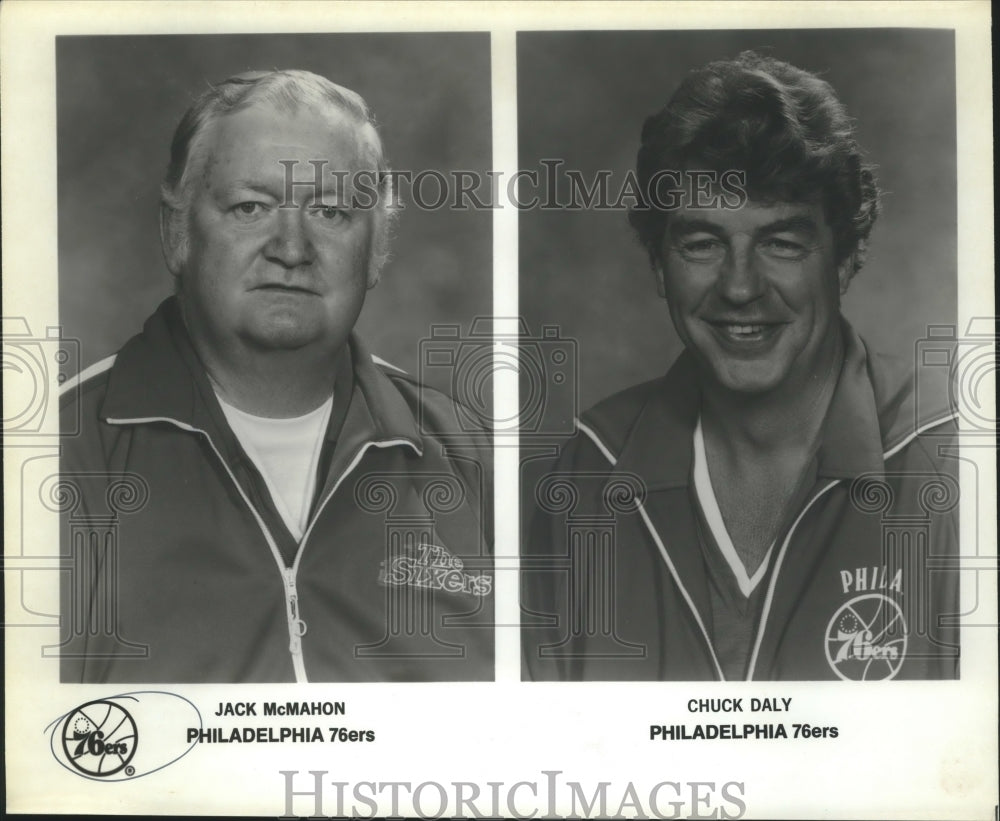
(866,639)
(432,567)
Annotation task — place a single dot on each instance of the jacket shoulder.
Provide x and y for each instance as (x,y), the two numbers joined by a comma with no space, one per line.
(88,387)
(437,414)
(85,440)
(913,406)
(611,420)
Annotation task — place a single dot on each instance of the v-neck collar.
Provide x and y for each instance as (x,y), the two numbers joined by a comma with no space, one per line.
(705,494)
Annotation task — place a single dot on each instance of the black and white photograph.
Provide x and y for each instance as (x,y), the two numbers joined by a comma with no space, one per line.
(445,409)
(249,290)
(750,238)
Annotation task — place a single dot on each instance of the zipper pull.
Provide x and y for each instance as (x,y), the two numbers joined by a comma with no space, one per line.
(296,626)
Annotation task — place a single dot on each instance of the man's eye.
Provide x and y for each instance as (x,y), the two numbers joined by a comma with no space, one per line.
(248,211)
(784,249)
(702,250)
(331,213)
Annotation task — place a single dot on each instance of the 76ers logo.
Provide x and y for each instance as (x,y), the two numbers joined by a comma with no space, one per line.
(99,738)
(866,639)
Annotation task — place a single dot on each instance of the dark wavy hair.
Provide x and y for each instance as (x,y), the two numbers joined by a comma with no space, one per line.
(782,126)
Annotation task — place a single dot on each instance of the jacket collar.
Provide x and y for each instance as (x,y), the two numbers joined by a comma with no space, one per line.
(659,447)
(851,436)
(378,407)
(158,376)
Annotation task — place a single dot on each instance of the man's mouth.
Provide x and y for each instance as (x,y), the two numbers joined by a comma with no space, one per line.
(281,287)
(745,333)
(743,330)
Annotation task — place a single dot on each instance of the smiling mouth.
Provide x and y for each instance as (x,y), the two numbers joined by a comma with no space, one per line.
(746,333)
(743,330)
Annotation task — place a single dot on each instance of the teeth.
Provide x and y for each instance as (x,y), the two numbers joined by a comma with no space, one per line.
(744,329)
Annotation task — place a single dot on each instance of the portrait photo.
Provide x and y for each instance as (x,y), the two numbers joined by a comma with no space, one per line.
(747,242)
(265,475)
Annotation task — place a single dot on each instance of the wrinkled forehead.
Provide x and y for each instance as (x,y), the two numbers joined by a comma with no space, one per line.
(750,218)
(269,147)
(307,131)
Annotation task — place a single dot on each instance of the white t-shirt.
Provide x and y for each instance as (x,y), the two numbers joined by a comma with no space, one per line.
(286,452)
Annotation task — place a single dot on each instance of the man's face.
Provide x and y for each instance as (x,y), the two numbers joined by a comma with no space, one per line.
(262,277)
(754,293)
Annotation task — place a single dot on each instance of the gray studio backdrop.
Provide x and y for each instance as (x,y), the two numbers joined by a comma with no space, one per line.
(120,98)
(582,98)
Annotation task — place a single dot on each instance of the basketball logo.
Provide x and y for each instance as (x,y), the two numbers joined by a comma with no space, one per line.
(100,738)
(866,639)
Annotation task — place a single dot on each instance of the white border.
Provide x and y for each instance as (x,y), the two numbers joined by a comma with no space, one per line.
(919,750)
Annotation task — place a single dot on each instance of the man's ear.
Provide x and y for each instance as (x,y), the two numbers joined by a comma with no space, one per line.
(378,247)
(172,239)
(661,283)
(845,272)
(375,262)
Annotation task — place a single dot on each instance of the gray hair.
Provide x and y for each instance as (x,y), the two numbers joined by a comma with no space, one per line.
(288,90)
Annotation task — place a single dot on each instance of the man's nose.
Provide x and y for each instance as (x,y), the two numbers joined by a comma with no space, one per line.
(740,278)
(289,244)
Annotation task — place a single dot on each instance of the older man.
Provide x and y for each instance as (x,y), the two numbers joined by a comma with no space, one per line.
(290,510)
(771,493)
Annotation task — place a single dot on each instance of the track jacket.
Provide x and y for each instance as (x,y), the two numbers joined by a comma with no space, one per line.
(182,570)
(861,583)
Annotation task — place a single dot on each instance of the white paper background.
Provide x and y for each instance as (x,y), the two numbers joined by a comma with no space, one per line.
(915,750)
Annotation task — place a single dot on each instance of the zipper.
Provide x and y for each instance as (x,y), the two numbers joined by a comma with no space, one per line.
(347,471)
(296,626)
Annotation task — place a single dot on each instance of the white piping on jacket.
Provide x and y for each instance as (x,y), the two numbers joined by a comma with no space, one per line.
(781,554)
(774,579)
(705,494)
(663,552)
(87,373)
(897,448)
(296,626)
(378,360)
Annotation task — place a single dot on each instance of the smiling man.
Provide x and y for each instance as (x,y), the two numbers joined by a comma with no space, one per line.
(738,530)
(272,492)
